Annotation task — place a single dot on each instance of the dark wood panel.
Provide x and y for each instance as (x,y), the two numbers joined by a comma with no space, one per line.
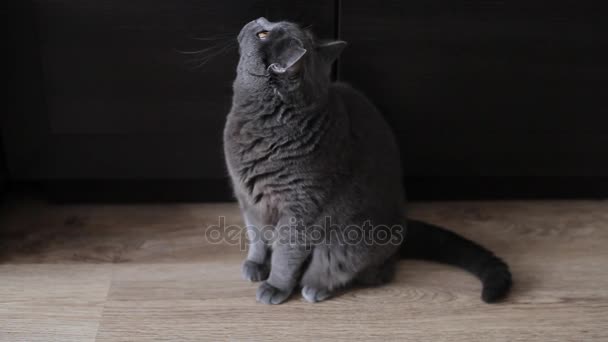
(418,188)
(502,153)
(121,99)
(24,124)
(489,99)
(3,172)
(492,88)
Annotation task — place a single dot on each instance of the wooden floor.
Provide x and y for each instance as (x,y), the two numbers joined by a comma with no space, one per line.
(149,273)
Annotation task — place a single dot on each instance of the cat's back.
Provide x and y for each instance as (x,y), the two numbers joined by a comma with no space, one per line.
(367,123)
(375,158)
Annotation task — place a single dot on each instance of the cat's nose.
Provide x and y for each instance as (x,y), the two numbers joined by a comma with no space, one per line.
(262,21)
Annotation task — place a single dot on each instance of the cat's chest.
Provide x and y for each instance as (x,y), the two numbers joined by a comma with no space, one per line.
(279,162)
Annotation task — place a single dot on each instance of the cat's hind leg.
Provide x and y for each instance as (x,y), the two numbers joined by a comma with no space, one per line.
(377,275)
(313,294)
(329,270)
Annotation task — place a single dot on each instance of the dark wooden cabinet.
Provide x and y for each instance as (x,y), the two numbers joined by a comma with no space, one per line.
(3,174)
(485,88)
(123,96)
(504,94)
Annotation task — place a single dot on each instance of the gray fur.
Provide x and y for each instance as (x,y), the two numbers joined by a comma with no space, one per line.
(299,147)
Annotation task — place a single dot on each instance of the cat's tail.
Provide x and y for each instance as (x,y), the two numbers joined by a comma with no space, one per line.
(430,242)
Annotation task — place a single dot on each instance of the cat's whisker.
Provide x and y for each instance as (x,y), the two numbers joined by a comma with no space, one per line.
(197,52)
(210,48)
(208,57)
(216,37)
(212,39)
(208,53)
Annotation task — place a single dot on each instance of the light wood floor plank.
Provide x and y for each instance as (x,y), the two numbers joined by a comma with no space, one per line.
(148,273)
(52,302)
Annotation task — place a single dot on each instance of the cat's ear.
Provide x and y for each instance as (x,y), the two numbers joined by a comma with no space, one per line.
(288,58)
(330,51)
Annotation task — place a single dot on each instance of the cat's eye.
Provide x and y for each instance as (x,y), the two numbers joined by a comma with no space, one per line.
(262,34)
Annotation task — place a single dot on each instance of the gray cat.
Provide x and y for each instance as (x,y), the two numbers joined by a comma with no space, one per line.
(317,174)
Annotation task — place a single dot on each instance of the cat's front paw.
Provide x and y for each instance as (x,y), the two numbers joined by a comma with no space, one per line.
(253,271)
(268,294)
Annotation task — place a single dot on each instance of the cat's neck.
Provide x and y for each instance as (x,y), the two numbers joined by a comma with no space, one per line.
(263,97)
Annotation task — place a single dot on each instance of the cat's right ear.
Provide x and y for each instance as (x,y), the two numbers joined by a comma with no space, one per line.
(330,51)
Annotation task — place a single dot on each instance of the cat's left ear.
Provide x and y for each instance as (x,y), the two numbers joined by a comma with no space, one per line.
(288,58)
(330,51)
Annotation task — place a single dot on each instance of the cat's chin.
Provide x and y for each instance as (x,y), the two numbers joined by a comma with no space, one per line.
(251,73)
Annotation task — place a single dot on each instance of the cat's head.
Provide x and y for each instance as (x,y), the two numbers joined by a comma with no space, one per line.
(286,52)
